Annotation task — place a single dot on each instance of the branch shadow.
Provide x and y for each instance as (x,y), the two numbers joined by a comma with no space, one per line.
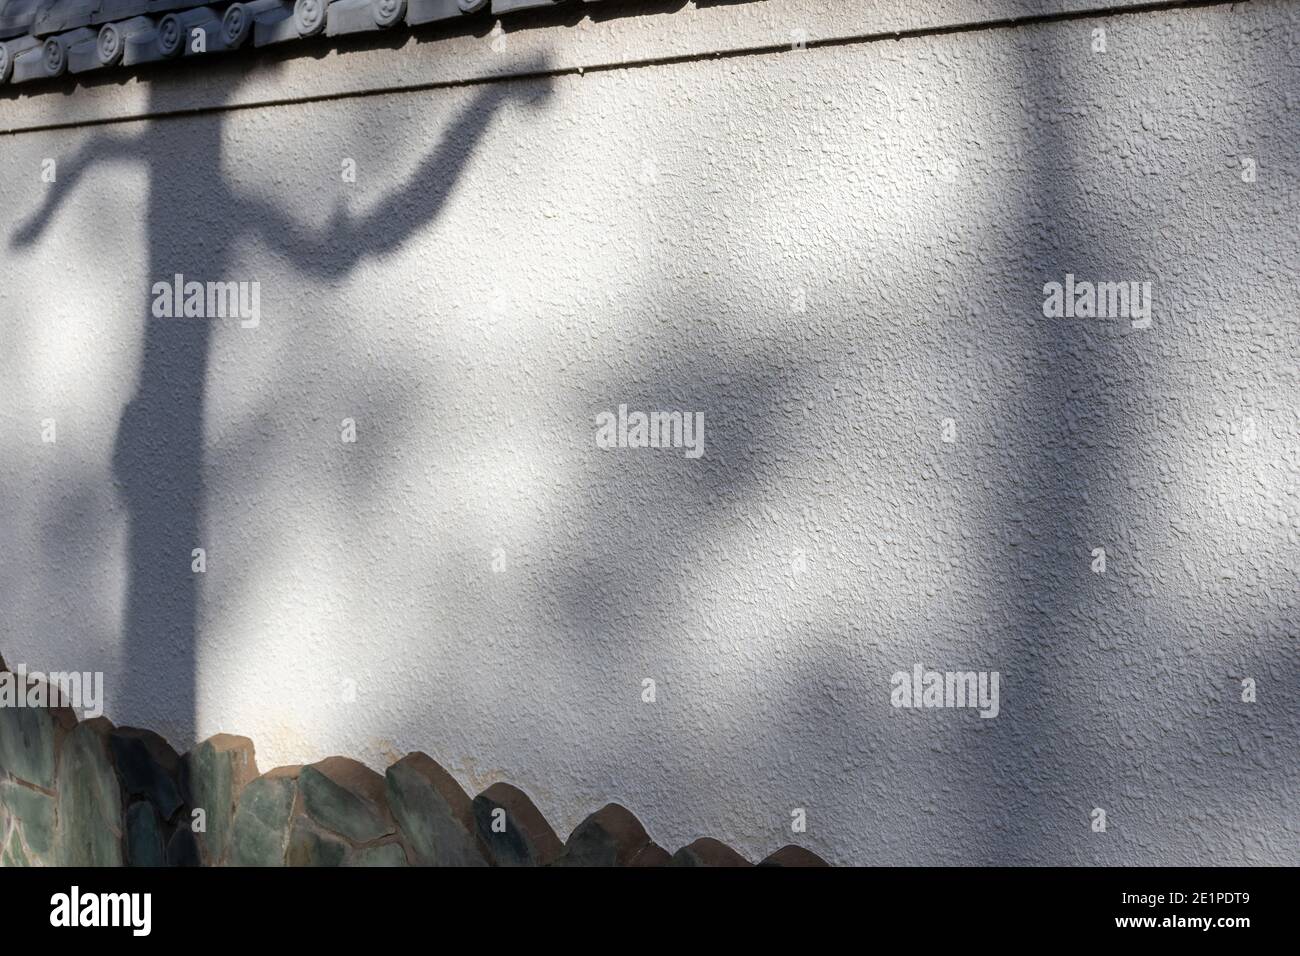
(195,219)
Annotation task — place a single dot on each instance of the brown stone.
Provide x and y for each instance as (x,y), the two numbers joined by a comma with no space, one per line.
(527,839)
(652,855)
(707,851)
(612,836)
(791,855)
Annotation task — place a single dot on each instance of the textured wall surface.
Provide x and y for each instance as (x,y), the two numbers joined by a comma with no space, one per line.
(611,34)
(828,253)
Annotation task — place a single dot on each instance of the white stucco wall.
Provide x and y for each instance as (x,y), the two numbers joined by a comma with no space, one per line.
(827,253)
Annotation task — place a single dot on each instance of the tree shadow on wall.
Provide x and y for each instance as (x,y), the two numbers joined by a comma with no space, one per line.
(195,222)
(1091,659)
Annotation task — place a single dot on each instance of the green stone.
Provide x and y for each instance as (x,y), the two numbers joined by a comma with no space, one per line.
(348,798)
(144,839)
(388,854)
(308,846)
(27,744)
(183,848)
(33,814)
(13,854)
(434,813)
(260,832)
(89,799)
(148,767)
(215,774)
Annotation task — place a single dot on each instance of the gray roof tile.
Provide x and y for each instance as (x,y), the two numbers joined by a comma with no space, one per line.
(110,11)
(16,17)
(55,16)
(42,39)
